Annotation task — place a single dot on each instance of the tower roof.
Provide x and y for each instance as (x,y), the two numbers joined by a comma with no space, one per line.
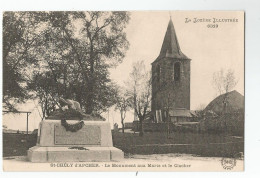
(170,47)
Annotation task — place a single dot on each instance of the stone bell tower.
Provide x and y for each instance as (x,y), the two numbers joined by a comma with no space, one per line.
(170,75)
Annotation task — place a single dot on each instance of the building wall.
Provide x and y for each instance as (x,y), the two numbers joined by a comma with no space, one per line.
(166,91)
(181,119)
(128,125)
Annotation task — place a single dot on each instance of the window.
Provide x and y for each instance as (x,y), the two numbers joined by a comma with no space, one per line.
(177,71)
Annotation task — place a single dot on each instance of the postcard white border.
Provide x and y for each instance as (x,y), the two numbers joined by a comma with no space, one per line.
(252,66)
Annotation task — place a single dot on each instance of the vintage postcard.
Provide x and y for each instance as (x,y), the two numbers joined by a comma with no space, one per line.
(123,91)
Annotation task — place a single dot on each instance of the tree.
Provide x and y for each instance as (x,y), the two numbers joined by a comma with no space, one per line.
(139,90)
(74,49)
(81,46)
(123,105)
(200,110)
(167,103)
(19,38)
(224,81)
(46,88)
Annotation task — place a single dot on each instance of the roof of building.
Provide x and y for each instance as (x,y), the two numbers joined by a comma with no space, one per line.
(234,100)
(170,47)
(181,112)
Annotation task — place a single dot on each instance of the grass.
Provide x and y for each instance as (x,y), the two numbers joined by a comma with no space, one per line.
(17,144)
(209,145)
(189,143)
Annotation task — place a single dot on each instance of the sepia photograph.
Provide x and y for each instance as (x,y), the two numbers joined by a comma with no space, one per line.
(123,91)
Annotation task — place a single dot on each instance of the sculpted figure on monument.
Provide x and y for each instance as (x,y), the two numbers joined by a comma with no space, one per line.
(71,104)
(71,110)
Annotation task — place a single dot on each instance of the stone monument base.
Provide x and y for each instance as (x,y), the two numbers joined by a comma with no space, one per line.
(93,142)
(74,154)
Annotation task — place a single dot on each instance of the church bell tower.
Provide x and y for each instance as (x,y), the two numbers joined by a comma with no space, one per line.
(170,75)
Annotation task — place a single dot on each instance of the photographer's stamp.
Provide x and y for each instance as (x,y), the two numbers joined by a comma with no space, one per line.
(228,163)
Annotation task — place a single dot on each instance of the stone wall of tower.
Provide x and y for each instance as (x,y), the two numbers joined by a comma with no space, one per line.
(167,92)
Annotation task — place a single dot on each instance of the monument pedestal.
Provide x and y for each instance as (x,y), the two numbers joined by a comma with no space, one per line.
(93,142)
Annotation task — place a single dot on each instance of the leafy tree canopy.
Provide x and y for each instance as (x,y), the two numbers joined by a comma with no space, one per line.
(64,54)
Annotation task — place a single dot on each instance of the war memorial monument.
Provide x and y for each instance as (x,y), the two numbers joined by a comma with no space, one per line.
(70,135)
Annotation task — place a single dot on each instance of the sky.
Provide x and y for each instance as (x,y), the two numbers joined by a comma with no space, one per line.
(210,49)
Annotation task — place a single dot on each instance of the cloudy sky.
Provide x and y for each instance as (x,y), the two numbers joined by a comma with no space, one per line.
(210,49)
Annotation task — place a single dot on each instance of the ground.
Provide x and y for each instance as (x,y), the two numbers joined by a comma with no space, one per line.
(153,151)
(207,145)
(140,163)
(200,144)
(17,144)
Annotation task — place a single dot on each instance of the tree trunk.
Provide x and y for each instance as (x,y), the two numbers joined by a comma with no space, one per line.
(168,125)
(141,133)
(123,126)
(91,83)
(89,106)
(46,107)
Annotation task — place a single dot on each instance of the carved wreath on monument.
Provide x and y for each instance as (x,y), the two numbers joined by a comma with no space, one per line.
(71,110)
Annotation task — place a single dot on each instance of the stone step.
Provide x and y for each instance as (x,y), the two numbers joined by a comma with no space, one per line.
(74,154)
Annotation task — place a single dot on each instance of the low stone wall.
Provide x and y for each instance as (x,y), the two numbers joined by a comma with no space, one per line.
(150,127)
(129,125)
(156,127)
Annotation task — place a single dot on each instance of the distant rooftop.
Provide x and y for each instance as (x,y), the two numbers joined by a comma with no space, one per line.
(235,102)
(181,112)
